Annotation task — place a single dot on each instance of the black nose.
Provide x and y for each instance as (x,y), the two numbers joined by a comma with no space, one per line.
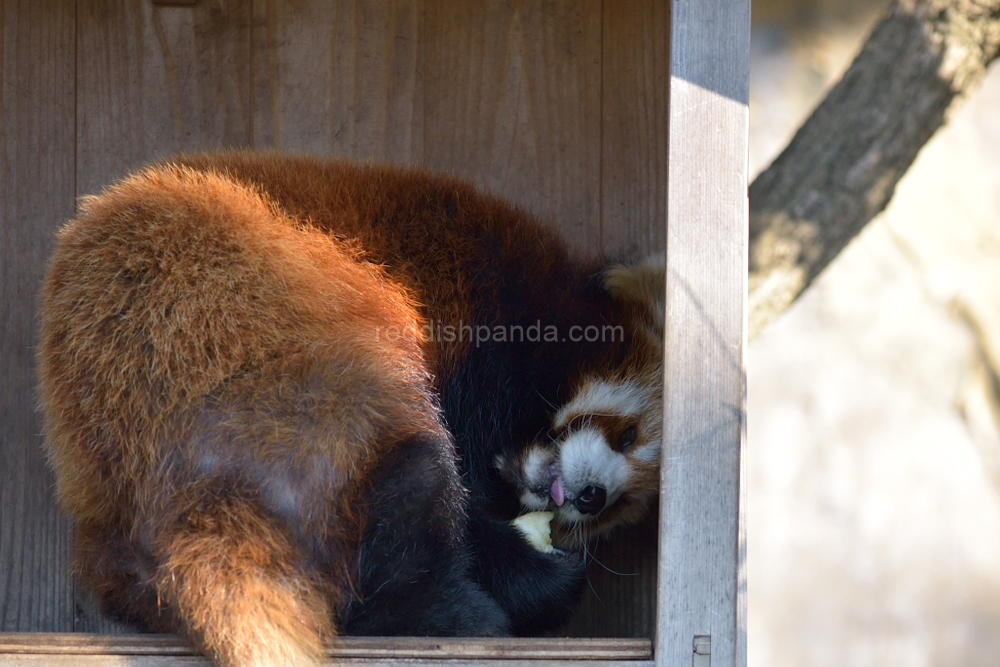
(591,500)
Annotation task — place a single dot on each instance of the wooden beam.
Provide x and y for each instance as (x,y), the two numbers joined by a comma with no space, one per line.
(147,650)
(702,585)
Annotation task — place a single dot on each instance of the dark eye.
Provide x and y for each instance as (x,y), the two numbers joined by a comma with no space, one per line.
(628,438)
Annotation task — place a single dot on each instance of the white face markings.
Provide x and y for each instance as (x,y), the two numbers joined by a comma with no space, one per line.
(536,464)
(607,438)
(586,455)
(604,398)
(648,454)
(537,476)
(585,459)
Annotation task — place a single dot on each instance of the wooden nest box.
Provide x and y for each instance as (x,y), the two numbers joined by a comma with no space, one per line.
(623,122)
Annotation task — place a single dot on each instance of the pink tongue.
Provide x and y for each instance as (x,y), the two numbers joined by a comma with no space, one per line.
(557,492)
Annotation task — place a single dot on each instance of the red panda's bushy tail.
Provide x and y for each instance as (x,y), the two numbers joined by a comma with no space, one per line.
(238,584)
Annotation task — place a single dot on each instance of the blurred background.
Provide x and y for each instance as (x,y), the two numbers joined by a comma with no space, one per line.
(873,459)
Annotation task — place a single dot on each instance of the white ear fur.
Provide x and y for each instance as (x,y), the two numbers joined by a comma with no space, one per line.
(643,283)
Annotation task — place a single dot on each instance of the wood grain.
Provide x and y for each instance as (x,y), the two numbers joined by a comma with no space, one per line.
(339,78)
(155,80)
(36,196)
(512,99)
(702,557)
(635,78)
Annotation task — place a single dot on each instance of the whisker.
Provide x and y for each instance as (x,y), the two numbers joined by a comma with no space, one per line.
(619,574)
(547,402)
(586,554)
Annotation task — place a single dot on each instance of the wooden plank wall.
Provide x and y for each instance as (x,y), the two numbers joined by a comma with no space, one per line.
(559,105)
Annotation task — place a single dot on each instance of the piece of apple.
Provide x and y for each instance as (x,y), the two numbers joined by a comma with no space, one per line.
(536,528)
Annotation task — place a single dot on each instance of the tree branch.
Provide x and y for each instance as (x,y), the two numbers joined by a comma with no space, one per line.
(841,168)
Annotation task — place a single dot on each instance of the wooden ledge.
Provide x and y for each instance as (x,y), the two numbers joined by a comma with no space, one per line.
(86,650)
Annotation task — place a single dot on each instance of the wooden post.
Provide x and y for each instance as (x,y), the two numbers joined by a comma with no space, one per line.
(701,617)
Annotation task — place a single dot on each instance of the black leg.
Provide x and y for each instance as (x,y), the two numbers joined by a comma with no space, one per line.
(415,561)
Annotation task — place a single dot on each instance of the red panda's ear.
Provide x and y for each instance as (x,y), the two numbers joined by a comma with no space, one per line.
(643,284)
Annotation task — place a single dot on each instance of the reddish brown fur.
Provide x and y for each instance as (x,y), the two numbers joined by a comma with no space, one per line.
(181,295)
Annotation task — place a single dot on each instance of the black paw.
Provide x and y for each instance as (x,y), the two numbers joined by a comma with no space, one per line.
(538,591)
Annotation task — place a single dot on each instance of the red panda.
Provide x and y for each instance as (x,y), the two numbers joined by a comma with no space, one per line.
(288,399)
